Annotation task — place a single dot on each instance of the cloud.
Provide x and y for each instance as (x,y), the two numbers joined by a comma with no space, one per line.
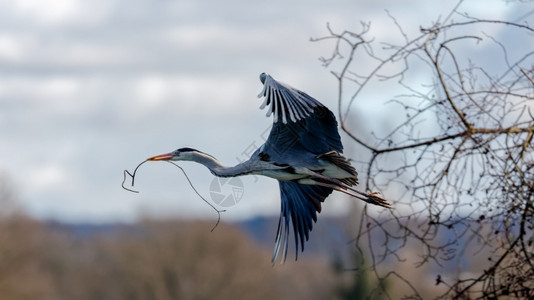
(47,177)
(57,12)
(89,88)
(10,48)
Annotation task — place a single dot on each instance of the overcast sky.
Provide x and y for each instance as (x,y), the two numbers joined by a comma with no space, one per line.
(90,88)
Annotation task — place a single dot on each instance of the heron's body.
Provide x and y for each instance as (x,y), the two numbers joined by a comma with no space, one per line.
(259,164)
(303,152)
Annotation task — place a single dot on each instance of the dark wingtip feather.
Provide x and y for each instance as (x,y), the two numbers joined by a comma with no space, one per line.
(286,103)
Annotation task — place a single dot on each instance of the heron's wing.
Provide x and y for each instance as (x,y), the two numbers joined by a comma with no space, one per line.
(300,122)
(300,203)
(302,129)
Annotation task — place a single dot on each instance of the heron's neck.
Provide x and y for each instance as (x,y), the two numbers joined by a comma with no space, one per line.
(217,168)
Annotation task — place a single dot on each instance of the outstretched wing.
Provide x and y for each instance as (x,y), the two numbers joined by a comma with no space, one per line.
(286,102)
(301,124)
(300,203)
(303,128)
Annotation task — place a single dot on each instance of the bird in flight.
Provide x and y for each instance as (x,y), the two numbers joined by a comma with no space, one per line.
(303,152)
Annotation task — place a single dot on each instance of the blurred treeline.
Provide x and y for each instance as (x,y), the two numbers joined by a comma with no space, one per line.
(154,259)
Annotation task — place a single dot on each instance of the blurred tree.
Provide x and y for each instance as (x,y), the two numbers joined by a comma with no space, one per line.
(455,154)
(155,260)
(8,198)
(151,260)
(362,285)
(184,260)
(22,241)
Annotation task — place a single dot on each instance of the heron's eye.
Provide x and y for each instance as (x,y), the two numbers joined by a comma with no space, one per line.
(176,153)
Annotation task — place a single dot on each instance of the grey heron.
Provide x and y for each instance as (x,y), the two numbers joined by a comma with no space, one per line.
(303,152)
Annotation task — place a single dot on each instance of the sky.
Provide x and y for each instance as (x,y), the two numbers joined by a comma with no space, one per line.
(90,88)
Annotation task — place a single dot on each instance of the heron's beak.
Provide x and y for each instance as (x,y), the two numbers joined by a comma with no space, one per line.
(167,156)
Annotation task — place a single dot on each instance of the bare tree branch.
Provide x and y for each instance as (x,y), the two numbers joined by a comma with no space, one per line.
(457,159)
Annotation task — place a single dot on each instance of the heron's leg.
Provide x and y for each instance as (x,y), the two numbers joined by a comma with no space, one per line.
(340,189)
(339,186)
(329,179)
(369,198)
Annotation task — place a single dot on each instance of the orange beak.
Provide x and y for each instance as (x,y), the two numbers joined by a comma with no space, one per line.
(166,156)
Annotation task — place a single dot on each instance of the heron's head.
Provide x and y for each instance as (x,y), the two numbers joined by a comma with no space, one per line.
(179,154)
